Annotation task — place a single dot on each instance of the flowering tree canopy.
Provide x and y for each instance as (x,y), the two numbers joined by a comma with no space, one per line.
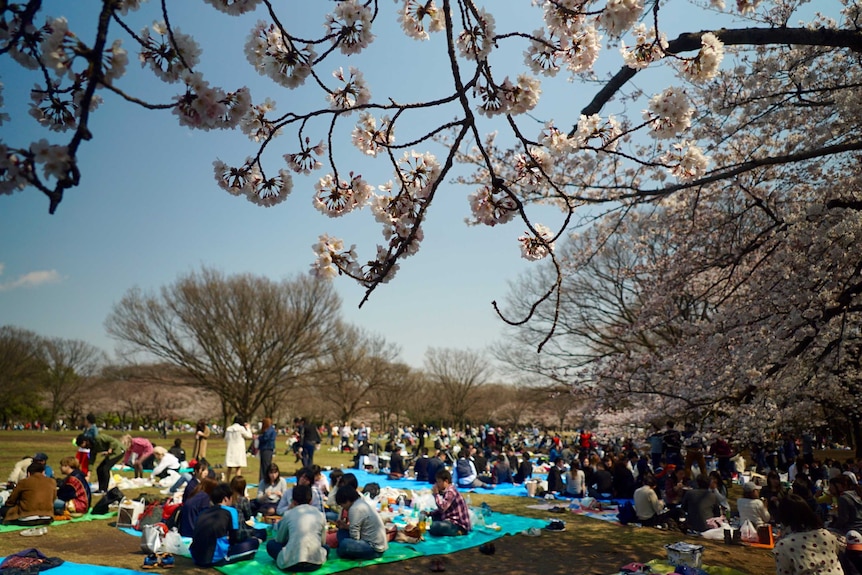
(753,117)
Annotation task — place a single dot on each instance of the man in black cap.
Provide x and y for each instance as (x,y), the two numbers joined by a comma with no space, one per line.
(43,459)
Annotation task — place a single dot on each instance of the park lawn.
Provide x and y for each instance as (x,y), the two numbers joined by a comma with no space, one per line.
(587,547)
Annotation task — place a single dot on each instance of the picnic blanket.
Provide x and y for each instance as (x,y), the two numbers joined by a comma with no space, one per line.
(69,568)
(364,477)
(607,514)
(509,525)
(85,517)
(663,567)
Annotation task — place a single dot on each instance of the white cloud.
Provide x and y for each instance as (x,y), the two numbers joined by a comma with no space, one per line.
(31,279)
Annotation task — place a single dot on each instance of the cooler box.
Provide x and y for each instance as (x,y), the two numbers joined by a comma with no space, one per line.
(682,553)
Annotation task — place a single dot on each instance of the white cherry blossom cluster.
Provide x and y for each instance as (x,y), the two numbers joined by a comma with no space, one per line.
(305,161)
(705,65)
(350,26)
(14,171)
(249,181)
(335,199)
(509,98)
(416,15)
(556,141)
(233,7)
(55,160)
(685,161)
(564,17)
(669,113)
(126,6)
(594,127)
(476,41)
(57,47)
(538,246)
(533,170)
(368,138)
(167,57)
(277,57)
(255,124)
(354,92)
(620,15)
(331,258)
(647,49)
(207,108)
(578,51)
(491,206)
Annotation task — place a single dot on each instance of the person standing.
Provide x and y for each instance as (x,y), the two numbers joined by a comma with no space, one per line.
(266,448)
(235,456)
(202,434)
(310,439)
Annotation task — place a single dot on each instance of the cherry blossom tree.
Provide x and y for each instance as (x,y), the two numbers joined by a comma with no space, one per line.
(747,151)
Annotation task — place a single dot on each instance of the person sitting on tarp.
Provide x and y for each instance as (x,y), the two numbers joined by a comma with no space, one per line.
(362,535)
(74,489)
(216,536)
(299,544)
(33,496)
(452,517)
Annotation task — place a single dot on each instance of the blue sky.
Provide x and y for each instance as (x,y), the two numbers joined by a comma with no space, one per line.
(148,208)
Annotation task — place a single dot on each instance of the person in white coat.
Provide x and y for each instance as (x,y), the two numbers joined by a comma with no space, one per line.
(235,436)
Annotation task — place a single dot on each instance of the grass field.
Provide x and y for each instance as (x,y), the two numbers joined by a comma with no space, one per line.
(588,547)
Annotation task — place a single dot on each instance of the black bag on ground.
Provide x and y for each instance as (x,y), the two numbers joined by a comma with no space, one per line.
(626,513)
(372,489)
(113,495)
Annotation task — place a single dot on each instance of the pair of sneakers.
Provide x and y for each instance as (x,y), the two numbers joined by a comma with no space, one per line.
(162,560)
(35,531)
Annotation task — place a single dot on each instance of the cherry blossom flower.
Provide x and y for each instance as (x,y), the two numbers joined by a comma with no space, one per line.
(647,50)
(620,15)
(669,113)
(335,200)
(13,171)
(51,110)
(491,207)
(747,6)
(542,55)
(255,125)
(234,7)
(168,60)
(350,26)
(275,56)
(537,247)
(126,6)
(304,162)
(208,108)
(368,138)
(237,181)
(268,192)
(705,65)
(687,162)
(55,159)
(532,170)
(354,93)
(476,41)
(564,17)
(591,127)
(116,59)
(581,50)
(418,173)
(58,47)
(414,14)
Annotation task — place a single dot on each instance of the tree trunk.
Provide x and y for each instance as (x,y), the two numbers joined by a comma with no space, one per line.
(856,426)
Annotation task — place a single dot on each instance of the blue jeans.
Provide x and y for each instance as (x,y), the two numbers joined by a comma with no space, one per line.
(445,529)
(356,549)
(273,548)
(184,478)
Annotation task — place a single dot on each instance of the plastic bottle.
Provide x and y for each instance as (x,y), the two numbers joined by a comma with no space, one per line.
(468,500)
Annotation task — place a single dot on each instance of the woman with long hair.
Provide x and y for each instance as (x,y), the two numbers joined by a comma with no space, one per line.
(202,434)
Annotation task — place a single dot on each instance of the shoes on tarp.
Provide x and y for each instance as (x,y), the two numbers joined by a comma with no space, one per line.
(556,525)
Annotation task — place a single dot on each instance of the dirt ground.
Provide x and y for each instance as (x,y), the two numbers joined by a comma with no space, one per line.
(587,547)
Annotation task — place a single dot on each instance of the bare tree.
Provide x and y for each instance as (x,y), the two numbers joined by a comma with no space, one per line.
(360,365)
(459,374)
(71,366)
(247,339)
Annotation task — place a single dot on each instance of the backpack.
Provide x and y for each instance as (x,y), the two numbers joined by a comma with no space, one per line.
(153,513)
(462,468)
(626,513)
(372,489)
(113,495)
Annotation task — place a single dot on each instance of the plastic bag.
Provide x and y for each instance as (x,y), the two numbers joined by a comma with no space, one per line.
(151,539)
(173,543)
(748,532)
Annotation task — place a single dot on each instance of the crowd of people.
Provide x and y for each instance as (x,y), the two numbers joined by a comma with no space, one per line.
(676,479)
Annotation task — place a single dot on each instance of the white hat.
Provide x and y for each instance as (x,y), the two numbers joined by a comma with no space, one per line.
(854,540)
